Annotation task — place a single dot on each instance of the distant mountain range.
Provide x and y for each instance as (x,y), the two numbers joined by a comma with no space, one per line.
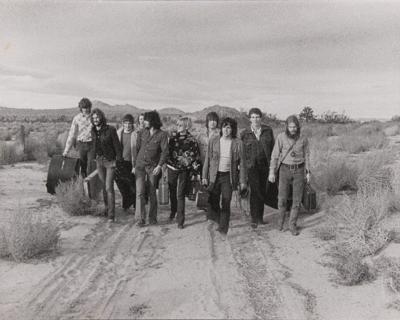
(113,112)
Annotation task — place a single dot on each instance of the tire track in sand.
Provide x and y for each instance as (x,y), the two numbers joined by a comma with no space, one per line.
(92,277)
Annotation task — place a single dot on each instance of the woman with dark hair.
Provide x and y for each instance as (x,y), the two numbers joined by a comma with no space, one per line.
(258,141)
(221,173)
(291,156)
(108,151)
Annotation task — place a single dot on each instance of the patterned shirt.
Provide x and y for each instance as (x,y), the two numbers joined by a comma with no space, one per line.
(81,130)
(184,152)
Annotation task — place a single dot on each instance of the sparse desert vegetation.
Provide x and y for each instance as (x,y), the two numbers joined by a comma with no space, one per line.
(72,199)
(353,170)
(28,234)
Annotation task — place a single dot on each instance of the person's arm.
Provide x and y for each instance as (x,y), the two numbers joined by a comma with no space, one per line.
(133,146)
(243,169)
(138,145)
(206,164)
(307,159)
(116,144)
(275,156)
(196,164)
(73,132)
(274,160)
(164,149)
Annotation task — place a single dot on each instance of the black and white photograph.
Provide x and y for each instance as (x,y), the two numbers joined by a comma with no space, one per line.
(200,159)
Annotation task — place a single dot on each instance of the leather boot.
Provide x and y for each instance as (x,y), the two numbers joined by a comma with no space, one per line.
(294,212)
(282,218)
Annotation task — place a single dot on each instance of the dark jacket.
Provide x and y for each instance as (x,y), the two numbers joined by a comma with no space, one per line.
(250,145)
(151,150)
(211,162)
(106,143)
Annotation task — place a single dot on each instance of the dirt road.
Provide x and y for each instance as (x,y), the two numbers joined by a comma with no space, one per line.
(119,271)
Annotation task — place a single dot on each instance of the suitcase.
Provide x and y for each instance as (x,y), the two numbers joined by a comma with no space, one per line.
(125,180)
(191,189)
(309,198)
(61,169)
(163,189)
(202,198)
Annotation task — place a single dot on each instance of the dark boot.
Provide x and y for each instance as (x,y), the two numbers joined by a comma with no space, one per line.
(293,221)
(282,218)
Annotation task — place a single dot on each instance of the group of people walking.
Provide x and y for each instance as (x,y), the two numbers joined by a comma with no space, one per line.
(136,155)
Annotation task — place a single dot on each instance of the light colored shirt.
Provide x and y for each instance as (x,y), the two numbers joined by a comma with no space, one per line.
(257,132)
(225,155)
(300,153)
(81,130)
(126,146)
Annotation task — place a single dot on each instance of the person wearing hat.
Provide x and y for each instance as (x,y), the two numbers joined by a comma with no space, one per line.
(258,142)
(124,176)
(80,134)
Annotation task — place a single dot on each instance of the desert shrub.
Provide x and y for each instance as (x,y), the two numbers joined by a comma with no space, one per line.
(325,232)
(359,222)
(9,153)
(40,149)
(390,267)
(336,174)
(358,142)
(350,268)
(72,199)
(392,130)
(29,234)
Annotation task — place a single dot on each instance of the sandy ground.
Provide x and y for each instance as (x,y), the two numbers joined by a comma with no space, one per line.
(108,270)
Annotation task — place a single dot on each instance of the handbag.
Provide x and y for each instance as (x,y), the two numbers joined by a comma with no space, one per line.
(202,198)
(309,200)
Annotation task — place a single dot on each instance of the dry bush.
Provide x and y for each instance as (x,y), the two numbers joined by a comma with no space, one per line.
(390,267)
(392,130)
(8,153)
(350,268)
(40,149)
(325,232)
(336,174)
(28,235)
(361,141)
(359,230)
(72,199)
(359,221)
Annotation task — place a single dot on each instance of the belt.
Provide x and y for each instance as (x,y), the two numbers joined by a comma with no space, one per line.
(294,166)
(80,141)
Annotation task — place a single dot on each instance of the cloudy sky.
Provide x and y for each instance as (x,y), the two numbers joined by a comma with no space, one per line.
(280,56)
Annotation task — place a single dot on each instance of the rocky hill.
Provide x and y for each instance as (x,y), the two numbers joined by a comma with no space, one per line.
(112,112)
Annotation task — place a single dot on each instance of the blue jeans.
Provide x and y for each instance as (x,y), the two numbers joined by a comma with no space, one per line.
(222,189)
(86,155)
(287,177)
(177,180)
(152,180)
(106,171)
